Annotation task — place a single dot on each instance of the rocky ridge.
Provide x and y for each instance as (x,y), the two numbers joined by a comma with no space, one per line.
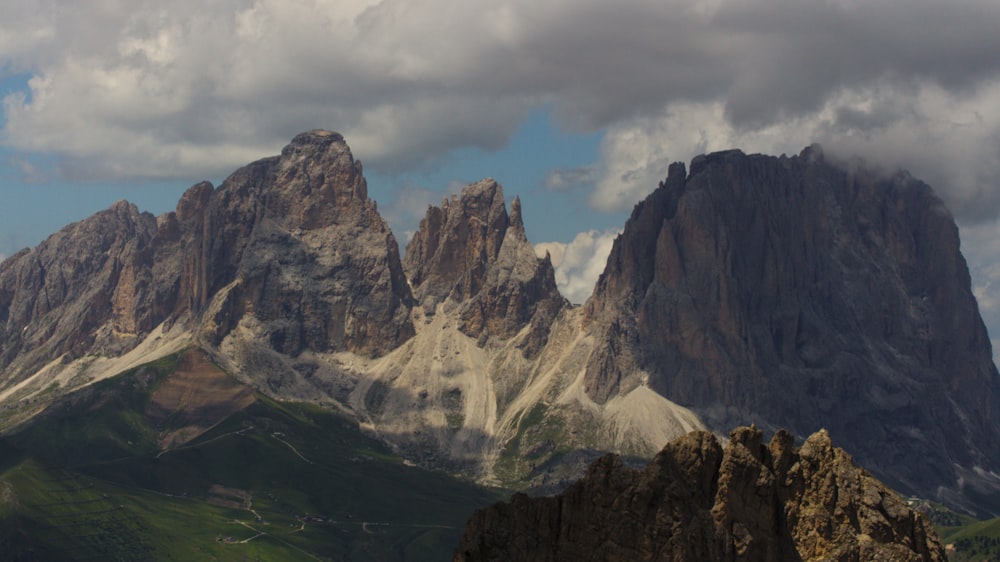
(489,382)
(85,289)
(291,249)
(698,501)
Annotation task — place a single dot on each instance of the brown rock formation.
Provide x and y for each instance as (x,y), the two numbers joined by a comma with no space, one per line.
(698,501)
(793,293)
(469,252)
(450,252)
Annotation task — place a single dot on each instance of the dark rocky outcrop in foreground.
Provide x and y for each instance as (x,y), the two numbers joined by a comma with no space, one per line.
(698,501)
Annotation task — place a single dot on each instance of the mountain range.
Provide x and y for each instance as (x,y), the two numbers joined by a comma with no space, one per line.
(789,292)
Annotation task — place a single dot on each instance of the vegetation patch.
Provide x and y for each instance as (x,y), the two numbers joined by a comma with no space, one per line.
(967,539)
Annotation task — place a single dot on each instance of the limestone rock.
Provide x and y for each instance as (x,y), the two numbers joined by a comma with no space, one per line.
(698,501)
(790,292)
(793,292)
(450,252)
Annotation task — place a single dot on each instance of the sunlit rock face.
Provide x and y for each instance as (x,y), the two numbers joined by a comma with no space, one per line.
(293,244)
(795,292)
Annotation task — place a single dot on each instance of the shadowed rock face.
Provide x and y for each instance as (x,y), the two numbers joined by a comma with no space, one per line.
(790,292)
(698,501)
(471,254)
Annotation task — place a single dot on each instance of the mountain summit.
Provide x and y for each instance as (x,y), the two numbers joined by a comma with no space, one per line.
(791,292)
(787,292)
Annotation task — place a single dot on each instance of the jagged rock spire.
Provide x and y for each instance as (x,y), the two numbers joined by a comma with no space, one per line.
(471,253)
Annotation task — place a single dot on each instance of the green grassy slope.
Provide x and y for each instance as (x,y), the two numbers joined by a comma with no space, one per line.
(966,538)
(275,481)
(973,540)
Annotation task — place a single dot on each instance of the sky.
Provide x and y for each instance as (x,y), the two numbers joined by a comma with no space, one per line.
(577,106)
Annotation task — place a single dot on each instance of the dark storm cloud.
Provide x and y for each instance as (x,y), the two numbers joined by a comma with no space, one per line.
(797,54)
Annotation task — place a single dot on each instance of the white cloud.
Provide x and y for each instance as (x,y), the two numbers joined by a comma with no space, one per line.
(950,141)
(636,153)
(193,88)
(579,263)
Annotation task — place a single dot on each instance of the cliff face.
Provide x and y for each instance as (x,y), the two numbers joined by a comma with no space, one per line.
(292,247)
(790,292)
(449,254)
(698,501)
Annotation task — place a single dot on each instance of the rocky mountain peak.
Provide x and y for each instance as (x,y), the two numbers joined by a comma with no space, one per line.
(783,291)
(194,200)
(449,254)
(698,500)
(288,252)
(472,254)
(317,182)
(314,138)
(315,266)
(516,221)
